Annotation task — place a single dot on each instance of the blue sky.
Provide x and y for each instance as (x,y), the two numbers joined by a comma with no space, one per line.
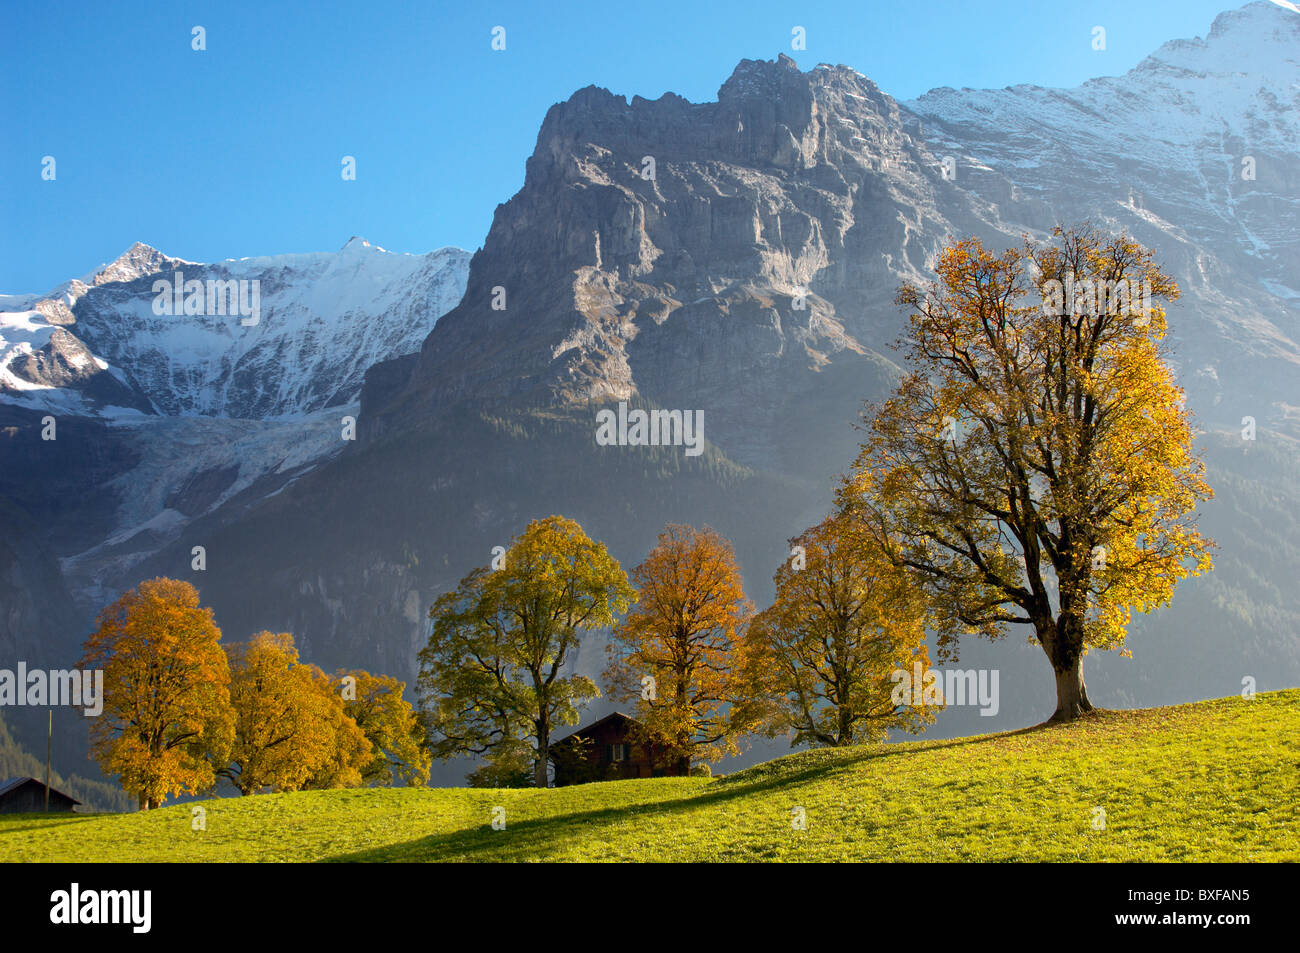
(237,150)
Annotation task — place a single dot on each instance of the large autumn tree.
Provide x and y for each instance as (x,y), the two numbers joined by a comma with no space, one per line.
(492,677)
(291,730)
(844,619)
(679,652)
(166,696)
(1035,466)
(378,706)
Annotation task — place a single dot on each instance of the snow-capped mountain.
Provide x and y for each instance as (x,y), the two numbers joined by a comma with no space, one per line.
(100,346)
(176,415)
(1194,152)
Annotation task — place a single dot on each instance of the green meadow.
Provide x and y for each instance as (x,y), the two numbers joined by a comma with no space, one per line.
(1211,781)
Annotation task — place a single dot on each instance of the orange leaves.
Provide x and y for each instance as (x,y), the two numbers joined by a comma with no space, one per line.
(1068,438)
(166,695)
(390,723)
(178,713)
(291,730)
(679,650)
(823,654)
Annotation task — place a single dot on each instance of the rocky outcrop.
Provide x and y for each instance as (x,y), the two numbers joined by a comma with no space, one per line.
(728,256)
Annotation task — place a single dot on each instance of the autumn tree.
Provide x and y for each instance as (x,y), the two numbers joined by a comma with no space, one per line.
(166,696)
(492,677)
(350,753)
(390,724)
(823,656)
(1035,466)
(679,652)
(291,730)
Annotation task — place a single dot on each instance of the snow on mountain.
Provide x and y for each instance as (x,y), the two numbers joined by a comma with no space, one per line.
(187,467)
(1208,126)
(206,408)
(99,346)
(1193,152)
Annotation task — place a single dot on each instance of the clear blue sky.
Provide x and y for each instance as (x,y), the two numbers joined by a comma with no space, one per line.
(236,150)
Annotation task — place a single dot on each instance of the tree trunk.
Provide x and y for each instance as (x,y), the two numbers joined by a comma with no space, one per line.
(846,726)
(1063,643)
(1071,693)
(543,755)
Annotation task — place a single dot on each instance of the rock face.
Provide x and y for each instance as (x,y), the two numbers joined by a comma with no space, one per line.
(724,256)
(658,248)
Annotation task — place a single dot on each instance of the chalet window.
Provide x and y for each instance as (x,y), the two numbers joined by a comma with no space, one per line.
(616,752)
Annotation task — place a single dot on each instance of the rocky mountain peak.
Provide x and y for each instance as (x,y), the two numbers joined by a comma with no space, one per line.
(658,248)
(1261,38)
(136,262)
(1257,19)
(760,77)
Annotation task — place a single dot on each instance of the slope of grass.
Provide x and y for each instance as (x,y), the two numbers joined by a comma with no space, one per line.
(1213,781)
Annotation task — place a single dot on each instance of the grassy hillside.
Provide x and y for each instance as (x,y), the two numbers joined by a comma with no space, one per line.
(1213,781)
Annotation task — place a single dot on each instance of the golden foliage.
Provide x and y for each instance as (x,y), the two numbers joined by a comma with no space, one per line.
(291,731)
(844,619)
(684,633)
(166,697)
(392,726)
(1036,464)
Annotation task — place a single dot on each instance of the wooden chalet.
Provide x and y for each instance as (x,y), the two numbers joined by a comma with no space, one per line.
(606,750)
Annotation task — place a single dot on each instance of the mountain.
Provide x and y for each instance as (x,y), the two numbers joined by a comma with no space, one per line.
(747,272)
(750,272)
(1193,152)
(322,320)
(161,418)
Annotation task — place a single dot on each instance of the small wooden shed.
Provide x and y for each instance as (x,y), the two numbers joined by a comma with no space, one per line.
(27,796)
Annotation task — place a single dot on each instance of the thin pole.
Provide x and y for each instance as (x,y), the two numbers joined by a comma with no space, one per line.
(49,743)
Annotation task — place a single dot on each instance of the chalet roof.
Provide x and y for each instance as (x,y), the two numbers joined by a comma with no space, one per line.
(587,729)
(13,784)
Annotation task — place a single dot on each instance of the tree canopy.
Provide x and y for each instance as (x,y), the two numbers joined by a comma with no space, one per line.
(1035,466)
(166,691)
(844,619)
(680,653)
(493,675)
(291,731)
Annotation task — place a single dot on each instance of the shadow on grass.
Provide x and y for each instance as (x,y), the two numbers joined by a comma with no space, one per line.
(531,838)
(538,837)
(857,754)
